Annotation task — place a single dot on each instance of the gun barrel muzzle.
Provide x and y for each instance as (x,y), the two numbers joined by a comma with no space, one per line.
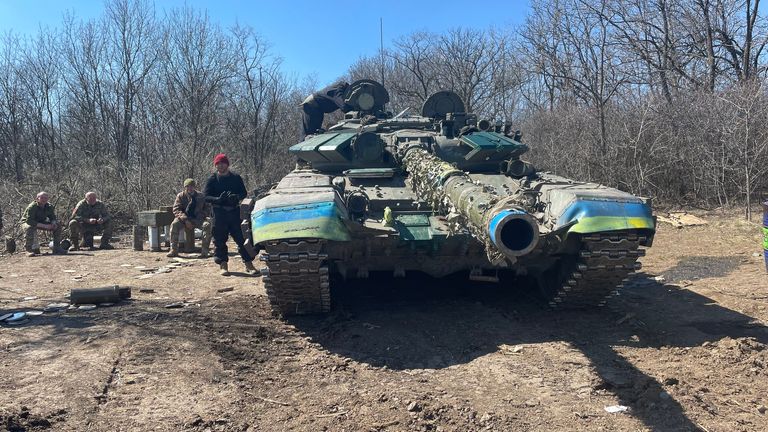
(514,232)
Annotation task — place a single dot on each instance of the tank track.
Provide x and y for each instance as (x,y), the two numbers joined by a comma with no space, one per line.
(604,263)
(296,277)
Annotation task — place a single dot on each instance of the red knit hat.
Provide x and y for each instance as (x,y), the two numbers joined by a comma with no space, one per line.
(219,158)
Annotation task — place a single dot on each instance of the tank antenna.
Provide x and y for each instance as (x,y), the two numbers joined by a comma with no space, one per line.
(381,47)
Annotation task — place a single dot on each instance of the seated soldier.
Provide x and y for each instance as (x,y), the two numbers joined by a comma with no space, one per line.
(89,217)
(40,215)
(191,212)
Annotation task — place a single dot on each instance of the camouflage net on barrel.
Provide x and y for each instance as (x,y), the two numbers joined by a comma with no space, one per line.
(468,204)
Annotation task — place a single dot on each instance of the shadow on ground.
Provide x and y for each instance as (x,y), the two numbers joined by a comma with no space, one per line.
(418,323)
(701,267)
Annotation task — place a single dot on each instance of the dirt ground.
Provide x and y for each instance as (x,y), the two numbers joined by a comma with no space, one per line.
(683,347)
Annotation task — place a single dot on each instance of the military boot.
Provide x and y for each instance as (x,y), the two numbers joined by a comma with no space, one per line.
(203,253)
(224,268)
(250,268)
(174,252)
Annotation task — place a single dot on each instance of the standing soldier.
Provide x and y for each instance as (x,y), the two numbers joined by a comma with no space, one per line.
(224,190)
(321,102)
(191,211)
(90,216)
(40,215)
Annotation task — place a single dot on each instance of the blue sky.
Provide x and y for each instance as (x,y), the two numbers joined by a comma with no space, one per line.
(318,38)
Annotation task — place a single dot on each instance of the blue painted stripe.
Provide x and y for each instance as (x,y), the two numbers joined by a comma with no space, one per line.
(497,219)
(592,208)
(294,213)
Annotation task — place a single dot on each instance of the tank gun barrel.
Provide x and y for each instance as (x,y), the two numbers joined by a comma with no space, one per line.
(506,229)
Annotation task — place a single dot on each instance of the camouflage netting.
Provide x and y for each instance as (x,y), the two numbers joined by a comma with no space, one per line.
(469,205)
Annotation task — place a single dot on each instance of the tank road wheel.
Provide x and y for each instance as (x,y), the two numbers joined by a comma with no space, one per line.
(603,264)
(296,277)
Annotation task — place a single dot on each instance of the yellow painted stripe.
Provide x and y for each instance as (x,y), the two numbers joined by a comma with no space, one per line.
(611,223)
(765,238)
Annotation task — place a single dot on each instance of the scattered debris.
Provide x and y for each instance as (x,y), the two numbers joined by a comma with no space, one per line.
(226,289)
(34,312)
(55,307)
(660,279)
(414,407)
(146,290)
(625,318)
(511,349)
(148,269)
(340,413)
(616,409)
(30,298)
(761,409)
(87,307)
(16,318)
(183,260)
(70,271)
(174,305)
(6,316)
(276,402)
(126,265)
(91,338)
(681,219)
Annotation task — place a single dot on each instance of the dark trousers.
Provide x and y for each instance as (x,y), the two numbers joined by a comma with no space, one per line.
(312,118)
(225,224)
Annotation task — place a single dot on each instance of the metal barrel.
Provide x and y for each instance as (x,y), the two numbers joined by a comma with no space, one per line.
(765,234)
(497,221)
(110,294)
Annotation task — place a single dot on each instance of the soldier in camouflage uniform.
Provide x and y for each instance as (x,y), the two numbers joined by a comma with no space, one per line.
(191,211)
(40,215)
(89,217)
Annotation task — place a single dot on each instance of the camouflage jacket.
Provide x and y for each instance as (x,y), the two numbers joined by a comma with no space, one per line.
(84,211)
(191,207)
(34,214)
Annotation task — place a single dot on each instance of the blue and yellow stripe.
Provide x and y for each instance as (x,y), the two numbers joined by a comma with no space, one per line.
(596,216)
(321,220)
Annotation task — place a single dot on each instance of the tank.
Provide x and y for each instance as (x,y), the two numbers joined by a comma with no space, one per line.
(439,192)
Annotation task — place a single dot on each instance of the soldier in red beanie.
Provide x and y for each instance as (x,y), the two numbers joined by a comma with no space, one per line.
(224,190)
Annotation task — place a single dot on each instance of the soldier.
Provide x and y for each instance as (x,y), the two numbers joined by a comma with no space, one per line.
(90,216)
(224,190)
(191,211)
(327,100)
(40,215)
